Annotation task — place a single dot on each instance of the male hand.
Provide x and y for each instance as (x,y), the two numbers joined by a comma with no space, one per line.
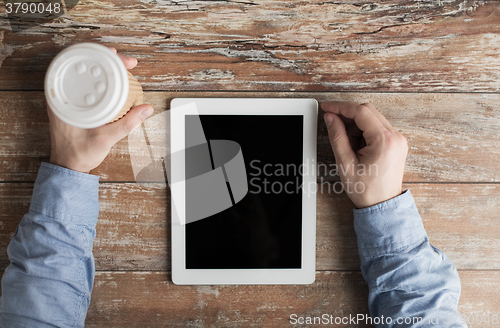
(370,153)
(84,149)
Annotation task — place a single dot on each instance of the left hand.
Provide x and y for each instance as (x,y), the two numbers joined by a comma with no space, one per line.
(362,139)
(84,149)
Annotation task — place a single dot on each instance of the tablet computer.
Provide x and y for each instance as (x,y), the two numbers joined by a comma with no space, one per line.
(243,190)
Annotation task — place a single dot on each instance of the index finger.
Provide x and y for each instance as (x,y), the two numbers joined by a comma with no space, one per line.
(362,115)
(129,62)
(380,117)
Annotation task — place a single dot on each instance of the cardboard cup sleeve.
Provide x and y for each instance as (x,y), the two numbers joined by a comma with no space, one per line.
(135,97)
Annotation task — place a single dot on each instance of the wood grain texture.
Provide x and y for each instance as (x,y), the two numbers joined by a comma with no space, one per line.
(132,299)
(452,137)
(133,231)
(448,45)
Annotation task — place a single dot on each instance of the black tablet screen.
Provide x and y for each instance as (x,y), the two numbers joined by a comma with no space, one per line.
(264,229)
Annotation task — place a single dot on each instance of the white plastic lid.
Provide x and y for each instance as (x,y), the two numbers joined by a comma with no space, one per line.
(86,85)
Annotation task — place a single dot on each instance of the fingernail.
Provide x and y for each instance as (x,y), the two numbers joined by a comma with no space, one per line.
(147,112)
(131,58)
(328,120)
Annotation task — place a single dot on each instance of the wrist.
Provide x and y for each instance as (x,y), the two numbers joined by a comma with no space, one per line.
(378,198)
(67,164)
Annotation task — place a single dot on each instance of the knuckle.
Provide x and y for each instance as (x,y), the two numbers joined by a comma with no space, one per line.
(401,138)
(378,138)
(388,137)
(335,137)
(390,140)
(395,140)
(364,110)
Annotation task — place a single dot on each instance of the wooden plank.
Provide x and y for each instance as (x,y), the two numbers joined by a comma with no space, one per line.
(462,221)
(452,137)
(138,299)
(478,298)
(275,45)
(133,231)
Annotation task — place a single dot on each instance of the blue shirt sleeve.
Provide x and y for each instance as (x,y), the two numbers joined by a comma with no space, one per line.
(407,278)
(49,280)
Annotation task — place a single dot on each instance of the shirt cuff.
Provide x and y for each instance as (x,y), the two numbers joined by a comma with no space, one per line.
(390,227)
(66,195)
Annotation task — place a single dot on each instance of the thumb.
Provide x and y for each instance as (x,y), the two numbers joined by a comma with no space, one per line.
(120,129)
(339,140)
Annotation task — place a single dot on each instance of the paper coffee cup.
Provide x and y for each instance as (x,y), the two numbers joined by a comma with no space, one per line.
(87,85)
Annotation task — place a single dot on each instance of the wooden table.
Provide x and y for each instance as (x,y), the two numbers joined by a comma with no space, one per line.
(432,68)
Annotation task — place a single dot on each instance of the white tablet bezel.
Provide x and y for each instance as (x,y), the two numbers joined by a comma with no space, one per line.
(308,108)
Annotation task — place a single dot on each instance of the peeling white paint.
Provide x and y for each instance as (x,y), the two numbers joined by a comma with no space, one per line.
(5,50)
(212,74)
(127,39)
(208,290)
(250,55)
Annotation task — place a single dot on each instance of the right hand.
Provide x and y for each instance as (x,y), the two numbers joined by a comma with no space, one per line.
(370,153)
(84,149)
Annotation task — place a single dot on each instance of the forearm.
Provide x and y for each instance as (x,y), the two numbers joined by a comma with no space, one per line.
(50,278)
(406,276)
